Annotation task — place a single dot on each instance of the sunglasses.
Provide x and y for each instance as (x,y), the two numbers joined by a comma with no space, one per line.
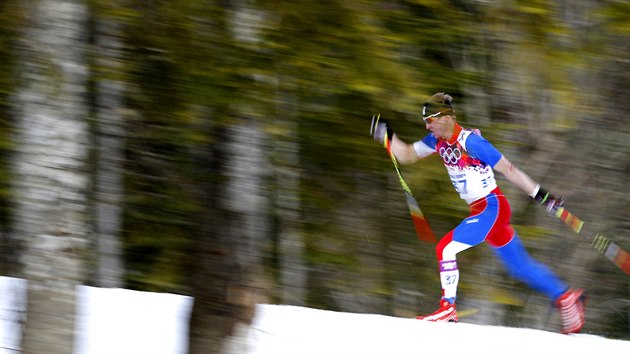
(429,119)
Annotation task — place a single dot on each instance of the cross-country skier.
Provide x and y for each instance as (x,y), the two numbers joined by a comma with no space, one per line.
(470,160)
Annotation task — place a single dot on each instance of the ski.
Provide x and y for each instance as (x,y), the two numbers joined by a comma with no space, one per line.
(602,244)
(420,223)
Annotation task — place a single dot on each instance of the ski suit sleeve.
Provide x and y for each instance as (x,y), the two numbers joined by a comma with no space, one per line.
(480,148)
(426,146)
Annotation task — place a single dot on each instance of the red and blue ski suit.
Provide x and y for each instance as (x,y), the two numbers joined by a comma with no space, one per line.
(469,159)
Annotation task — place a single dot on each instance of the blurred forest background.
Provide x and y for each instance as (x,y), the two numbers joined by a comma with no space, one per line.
(221,149)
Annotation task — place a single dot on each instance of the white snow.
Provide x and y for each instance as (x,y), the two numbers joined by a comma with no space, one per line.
(119,321)
(111,321)
(282,329)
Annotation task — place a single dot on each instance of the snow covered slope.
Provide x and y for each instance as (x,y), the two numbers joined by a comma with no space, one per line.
(280,329)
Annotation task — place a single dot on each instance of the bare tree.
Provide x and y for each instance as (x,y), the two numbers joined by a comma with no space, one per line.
(287,202)
(109,146)
(49,165)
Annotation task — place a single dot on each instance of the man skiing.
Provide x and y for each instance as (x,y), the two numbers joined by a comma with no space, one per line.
(470,160)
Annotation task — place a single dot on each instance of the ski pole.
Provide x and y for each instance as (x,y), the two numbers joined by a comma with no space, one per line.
(602,244)
(420,223)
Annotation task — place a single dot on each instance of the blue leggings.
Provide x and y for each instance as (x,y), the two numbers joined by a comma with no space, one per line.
(489,222)
(533,273)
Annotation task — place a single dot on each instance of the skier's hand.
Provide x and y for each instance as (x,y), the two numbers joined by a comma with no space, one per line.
(380,129)
(550,202)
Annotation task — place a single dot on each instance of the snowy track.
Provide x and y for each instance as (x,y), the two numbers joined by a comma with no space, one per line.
(280,329)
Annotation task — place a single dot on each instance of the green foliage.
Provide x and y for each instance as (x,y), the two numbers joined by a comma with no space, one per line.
(615,17)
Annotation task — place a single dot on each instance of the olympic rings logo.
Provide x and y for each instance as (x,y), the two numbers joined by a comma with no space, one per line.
(450,155)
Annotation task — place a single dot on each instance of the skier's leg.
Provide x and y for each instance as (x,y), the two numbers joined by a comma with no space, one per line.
(470,232)
(506,243)
(446,252)
(533,273)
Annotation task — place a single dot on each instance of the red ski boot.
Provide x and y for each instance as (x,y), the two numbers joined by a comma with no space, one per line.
(571,307)
(446,313)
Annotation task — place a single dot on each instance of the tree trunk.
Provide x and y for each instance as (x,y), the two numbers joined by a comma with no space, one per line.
(219,271)
(109,147)
(293,271)
(49,169)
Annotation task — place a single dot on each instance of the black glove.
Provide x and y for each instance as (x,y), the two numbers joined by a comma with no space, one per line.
(549,201)
(379,129)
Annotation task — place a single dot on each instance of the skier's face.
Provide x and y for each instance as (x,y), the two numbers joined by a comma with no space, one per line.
(439,126)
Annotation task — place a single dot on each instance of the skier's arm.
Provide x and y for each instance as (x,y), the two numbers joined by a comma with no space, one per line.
(516,176)
(481,148)
(527,185)
(405,153)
